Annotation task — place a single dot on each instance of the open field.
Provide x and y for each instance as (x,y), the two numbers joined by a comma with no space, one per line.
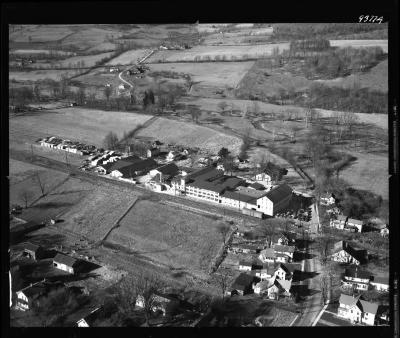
(190,135)
(376,78)
(98,211)
(360,44)
(41,33)
(213,53)
(40,51)
(129,57)
(213,73)
(170,235)
(36,75)
(23,178)
(85,125)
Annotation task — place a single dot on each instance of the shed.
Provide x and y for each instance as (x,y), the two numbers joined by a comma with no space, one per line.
(33,251)
(65,263)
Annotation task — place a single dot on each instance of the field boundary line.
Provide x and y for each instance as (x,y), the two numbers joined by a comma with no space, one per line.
(116,223)
(291,324)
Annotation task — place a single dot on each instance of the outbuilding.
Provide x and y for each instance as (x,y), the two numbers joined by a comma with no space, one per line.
(65,263)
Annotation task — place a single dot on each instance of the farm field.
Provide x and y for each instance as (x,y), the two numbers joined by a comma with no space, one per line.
(36,75)
(99,210)
(23,178)
(190,135)
(129,57)
(85,125)
(360,44)
(40,51)
(202,53)
(169,235)
(213,73)
(375,79)
(41,33)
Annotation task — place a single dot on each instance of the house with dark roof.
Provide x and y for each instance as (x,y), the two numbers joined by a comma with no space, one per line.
(65,263)
(267,272)
(344,253)
(161,302)
(256,186)
(354,225)
(354,277)
(32,251)
(286,271)
(242,285)
(132,169)
(90,318)
(287,238)
(357,310)
(267,255)
(284,250)
(31,295)
(278,288)
(380,283)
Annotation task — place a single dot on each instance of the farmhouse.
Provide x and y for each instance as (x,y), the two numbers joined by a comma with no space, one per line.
(285,271)
(163,303)
(132,169)
(267,272)
(263,286)
(31,295)
(264,178)
(339,222)
(284,250)
(152,152)
(165,172)
(279,287)
(287,238)
(344,253)
(245,266)
(65,263)
(267,255)
(353,277)
(380,283)
(357,310)
(32,251)
(355,224)
(242,285)
(327,200)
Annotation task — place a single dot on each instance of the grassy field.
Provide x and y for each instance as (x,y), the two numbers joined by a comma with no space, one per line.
(211,74)
(36,75)
(86,125)
(98,211)
(41,33)
(201,53)
(129,57)
(169,235)
(40,51)
(190,135)
(375,79)
(23,178)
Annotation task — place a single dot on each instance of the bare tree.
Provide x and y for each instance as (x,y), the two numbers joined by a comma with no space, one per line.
(107,93)
(269,230)
(25,195)
(222,279)
(111,141)
(223,230)
(40,183)
(323,246)
(222,105)
(195,113)
(350,120)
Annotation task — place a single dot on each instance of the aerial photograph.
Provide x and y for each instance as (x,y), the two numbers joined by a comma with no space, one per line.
(198,175)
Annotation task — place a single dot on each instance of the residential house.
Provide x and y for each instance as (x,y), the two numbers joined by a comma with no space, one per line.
(344,253)
(287,238)
(244,248)
(242,285)
(33,251)
(165,172)
(355,224)
(263,286)
(263,177)
(382,229)
(380,283)
(267,272)
(327,200)
(256,186)
(163,303)
(31,295)
(171,156)
(245,266)
(339,222)
(279,287)
(354,277)
(285,271)
(267,255)
(284,250)
(88,320)
(357,310)
(132,169)
(65,263)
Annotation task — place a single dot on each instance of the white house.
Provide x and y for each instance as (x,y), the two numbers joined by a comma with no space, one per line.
(263,286)
(357,310)
(65,263)
(284,272)
(88,320)
(339,222)
(267,255)
(286,250)
(164,172)
(267,272)
(353,277)
(279,287)
(380,283)
(159,303)
(245,266)
(355,223)
(263,179)
(171,156)
(328,200)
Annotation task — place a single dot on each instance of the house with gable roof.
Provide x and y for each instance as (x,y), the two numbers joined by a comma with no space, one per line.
(357,310)
(344,253)
(354,277)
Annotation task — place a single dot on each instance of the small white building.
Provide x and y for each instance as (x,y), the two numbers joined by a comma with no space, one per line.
(380,283)
(267,255)
(65,263)
(357,310)
(245,266)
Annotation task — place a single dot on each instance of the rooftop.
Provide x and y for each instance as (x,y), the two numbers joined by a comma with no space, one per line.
(279,193)
(31,247)
(64,259)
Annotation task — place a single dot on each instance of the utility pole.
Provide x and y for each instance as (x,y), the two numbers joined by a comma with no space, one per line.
(31,152)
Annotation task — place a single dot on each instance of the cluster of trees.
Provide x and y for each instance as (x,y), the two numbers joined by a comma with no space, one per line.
(303,47)
(351,99)
(298,31)
(342,61)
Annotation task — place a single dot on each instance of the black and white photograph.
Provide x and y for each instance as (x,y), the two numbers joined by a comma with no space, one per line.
(199,174)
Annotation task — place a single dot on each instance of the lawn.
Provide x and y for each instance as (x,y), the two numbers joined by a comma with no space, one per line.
(36,75)
(99,210)
(211,74)
(23,178)
(204,53)
(169,235)
(190,135)
(85,125)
